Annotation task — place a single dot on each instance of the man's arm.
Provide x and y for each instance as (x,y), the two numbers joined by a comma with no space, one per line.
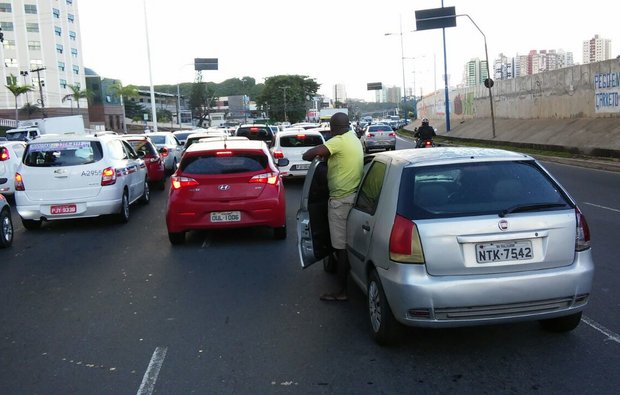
(319,150)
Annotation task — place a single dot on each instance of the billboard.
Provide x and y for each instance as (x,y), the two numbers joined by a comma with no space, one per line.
(205,64)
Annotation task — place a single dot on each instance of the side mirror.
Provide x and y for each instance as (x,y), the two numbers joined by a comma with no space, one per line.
(282,162)
(141,154)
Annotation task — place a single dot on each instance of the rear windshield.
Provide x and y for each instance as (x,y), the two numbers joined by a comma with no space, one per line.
(158,139)
(380,128)
(63,153)
(143,146)
(476,189)
(300,140)
(256,132)
(231,164)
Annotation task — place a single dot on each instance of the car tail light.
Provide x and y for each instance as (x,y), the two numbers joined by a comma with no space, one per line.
(371,135)
(582,239)
(428,143)
(254,130)
(4,154)
(405,244)
(223,153)
(19,182)
(301,136)
(164,152)
(182,182)
(392,134)
(108,176)
(266,178)
(278,154)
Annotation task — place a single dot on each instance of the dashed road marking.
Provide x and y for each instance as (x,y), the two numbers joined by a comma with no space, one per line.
(599,206)
(150,376)
(609,333)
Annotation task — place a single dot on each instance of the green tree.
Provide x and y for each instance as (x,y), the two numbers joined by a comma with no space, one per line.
(30,109)
(124,92)
(17,90)
(202,98)
(76,94)
(284,97)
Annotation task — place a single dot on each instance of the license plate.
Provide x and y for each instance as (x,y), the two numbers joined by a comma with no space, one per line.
(63,209)
(226,216)
(504,251)
(302,167)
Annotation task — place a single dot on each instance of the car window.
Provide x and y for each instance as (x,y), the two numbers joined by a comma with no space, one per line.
(370,189)
(380,128)
(469,189)
(130,153)
(218,164)
(158,139)
(300,140)
(255,133)
(143,146)
(65,153)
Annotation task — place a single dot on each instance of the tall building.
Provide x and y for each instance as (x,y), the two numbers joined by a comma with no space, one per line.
(596,49)
(393,94)
(41,35)
(534,62)
(340,93)
(475,72)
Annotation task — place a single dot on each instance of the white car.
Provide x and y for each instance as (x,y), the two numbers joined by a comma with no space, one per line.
(78,176)
(169,147)
(291,143)
(10,155)
(6,225)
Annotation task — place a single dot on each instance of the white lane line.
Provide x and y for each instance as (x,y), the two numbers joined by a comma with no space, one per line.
(599,206)
(150,376)
(610,334)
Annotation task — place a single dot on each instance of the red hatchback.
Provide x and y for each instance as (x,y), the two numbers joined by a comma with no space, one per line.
(154,162)
(226,184)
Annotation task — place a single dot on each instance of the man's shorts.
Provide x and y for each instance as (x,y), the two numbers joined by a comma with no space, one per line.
(337,212)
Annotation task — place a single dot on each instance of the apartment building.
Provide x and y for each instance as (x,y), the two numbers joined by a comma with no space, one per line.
(596,49)
(41,47)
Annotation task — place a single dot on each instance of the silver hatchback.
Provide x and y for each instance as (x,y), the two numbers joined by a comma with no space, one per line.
(458,236)
(378,136)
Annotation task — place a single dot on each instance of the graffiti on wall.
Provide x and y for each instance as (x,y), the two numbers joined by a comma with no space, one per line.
(607,92)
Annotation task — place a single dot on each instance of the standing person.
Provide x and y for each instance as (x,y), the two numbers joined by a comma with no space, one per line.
(424,132)
(345,162)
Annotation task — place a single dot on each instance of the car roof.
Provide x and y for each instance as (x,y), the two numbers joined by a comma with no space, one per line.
(159,134)
(74,137)
(227,144)
(447,155)
(296,131)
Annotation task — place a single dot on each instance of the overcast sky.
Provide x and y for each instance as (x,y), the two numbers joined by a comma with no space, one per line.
(332,41)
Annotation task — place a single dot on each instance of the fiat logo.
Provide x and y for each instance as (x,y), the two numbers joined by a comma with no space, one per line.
(503,225)
(223,187)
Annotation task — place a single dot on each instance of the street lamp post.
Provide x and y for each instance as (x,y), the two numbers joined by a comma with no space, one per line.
(402,61)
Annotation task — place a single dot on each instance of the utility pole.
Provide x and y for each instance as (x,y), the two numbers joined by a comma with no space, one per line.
(38,70)
(284,88)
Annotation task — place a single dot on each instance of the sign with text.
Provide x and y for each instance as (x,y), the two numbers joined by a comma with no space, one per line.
(374,86)
(205,64)
(607,92)
(435,18)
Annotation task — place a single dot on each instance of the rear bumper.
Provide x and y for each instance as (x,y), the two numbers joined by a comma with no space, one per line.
(107,202)
(418,299)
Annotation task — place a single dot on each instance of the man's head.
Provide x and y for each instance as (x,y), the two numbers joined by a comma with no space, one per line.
(425,122)
(339,123)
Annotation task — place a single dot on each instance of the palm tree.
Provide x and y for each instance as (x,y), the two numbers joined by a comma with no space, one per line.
(75,96)
(17,90)
(124,92)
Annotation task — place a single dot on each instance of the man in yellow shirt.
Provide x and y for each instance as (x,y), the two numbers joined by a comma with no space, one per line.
(345,162)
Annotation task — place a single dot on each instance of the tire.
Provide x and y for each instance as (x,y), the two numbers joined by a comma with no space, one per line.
(31,224)
(279,233)
(385,329)
(561,324)
(123,214)
(6,229)
(330,263)
(176,238)
(146,195)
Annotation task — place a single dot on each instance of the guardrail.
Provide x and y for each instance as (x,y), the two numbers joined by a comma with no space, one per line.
(8,123)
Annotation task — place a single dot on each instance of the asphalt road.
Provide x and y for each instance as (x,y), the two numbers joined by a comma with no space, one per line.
(97,307)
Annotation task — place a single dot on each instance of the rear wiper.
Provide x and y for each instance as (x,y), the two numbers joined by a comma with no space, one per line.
(529,207)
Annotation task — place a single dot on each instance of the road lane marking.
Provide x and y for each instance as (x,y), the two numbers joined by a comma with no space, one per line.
(610,334)
(599,206)
(150,376)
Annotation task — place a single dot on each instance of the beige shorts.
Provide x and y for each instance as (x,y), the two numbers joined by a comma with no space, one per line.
(337,212)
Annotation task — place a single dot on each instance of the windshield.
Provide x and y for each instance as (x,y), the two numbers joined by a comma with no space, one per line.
(17,136)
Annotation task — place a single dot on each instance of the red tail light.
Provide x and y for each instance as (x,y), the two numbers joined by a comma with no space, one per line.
(278,154)
(164,152)
(182,182)
(223,153)
(19,182)
(4,154)
(108,176)
(266,178)
(371,135)
(582,239)
(428,143)
(392,134)
(405,244)
(301,136)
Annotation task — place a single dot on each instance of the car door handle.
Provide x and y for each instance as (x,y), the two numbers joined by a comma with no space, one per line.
(366,227)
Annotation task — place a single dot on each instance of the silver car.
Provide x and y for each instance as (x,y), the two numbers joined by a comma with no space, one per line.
(378,136)
(169,148)
(454,237)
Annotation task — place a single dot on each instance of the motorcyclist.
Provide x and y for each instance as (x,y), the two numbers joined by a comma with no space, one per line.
(424,132)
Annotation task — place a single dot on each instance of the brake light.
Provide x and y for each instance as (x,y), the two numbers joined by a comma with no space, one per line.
(278,154)
(301,136)
(164,152)
(223,153)
(371,135)
(108,176)
(182,182)
(254,130)
(265,178)
(405,244)
(392,134)
(19,182)
(582,239)
(428,143)
(4,154)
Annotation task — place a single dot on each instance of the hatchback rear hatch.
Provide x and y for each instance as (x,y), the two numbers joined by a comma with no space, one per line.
(293,146)
(489,217)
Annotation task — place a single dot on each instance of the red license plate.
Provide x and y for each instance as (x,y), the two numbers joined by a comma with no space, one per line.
(63,209)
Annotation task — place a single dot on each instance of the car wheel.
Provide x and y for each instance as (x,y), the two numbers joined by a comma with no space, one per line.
(561,324)
(330,263)
(384,326)
(123,215)
(31,224)
(146,195)
(6,229)
(176,238)
(279,233)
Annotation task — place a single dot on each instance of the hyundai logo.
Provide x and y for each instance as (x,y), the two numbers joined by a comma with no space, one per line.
(503,225)
(223,187)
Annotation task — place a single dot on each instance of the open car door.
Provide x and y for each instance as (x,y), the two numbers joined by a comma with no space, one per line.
(313,240)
